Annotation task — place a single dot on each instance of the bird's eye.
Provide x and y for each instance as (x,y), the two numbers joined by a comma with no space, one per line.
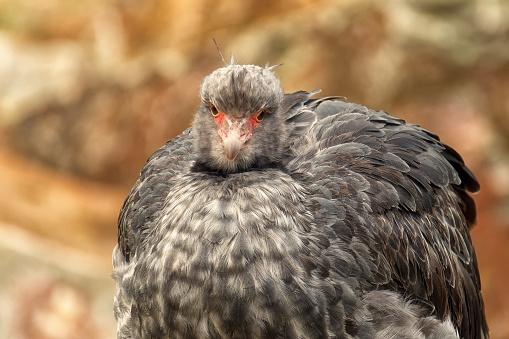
(261,115)
(214,111)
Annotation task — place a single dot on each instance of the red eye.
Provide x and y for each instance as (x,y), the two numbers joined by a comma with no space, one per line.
(261,115)
(214,111)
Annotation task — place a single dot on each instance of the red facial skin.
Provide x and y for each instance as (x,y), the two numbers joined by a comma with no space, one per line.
(235,132)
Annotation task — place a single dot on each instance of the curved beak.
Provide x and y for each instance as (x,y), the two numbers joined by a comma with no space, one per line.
(234,133)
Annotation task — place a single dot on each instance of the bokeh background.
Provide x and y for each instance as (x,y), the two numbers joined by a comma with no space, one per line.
(90,88)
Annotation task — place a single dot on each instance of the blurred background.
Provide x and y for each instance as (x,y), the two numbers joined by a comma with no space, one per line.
(90,88)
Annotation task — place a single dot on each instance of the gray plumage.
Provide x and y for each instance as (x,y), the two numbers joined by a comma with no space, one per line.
(330,220)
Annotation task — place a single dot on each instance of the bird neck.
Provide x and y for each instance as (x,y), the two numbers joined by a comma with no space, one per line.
(201,166)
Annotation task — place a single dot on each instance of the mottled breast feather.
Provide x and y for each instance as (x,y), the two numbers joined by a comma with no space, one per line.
(365,216)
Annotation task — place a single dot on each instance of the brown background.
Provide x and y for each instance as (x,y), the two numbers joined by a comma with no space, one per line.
(89,89)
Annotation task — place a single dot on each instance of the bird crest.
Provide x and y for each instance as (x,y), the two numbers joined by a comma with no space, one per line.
(232,58)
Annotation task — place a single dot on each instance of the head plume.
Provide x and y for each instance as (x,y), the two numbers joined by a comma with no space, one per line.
(241,90)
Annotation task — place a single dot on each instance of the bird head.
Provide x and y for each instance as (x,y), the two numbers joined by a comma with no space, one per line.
(238,124)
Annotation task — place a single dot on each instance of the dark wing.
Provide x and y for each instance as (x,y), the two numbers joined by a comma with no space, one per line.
(396,199)
(143,204)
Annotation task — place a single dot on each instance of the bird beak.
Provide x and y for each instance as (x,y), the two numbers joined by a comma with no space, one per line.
(234,133)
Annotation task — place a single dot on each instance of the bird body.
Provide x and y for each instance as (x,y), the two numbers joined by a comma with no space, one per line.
(282,216)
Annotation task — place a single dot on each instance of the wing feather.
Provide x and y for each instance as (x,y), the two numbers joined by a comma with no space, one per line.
(142,206)
(405,197)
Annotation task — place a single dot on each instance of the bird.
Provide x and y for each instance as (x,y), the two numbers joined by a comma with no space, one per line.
(288,216)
